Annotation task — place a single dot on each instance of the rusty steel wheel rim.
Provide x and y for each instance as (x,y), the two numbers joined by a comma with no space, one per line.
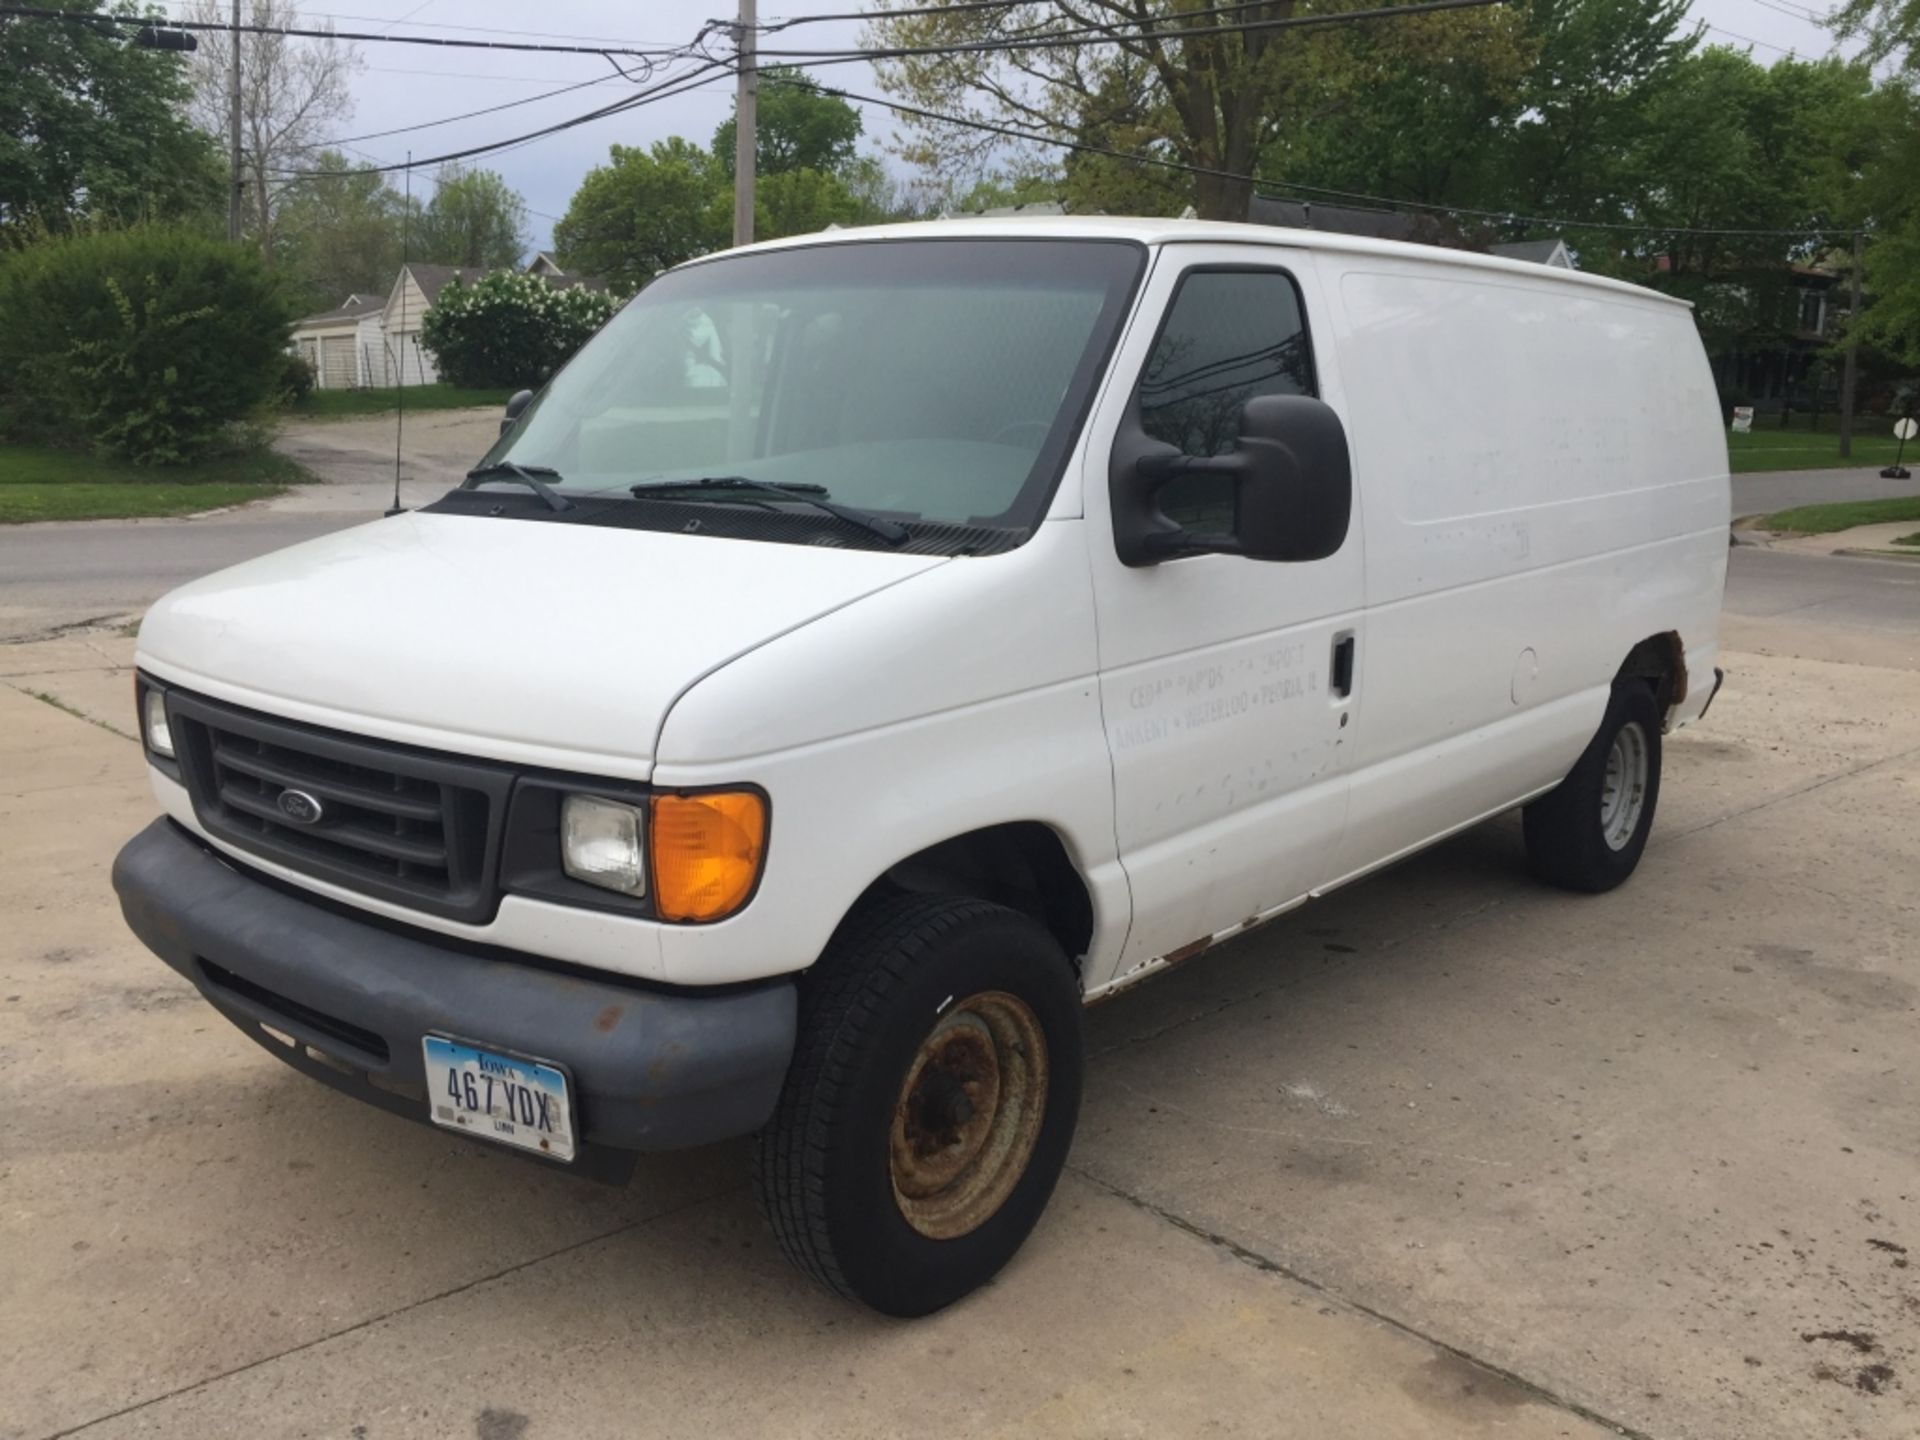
(968,1114)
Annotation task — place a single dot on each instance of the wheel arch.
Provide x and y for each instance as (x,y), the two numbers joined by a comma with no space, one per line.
(1022,864)
(1660,660)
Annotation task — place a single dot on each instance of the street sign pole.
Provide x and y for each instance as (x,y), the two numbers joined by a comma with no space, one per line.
(1904,430)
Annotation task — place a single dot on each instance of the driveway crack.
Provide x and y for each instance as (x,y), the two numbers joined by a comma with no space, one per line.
(1267,1265)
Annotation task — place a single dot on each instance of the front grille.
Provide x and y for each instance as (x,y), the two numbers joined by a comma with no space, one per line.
(403,824)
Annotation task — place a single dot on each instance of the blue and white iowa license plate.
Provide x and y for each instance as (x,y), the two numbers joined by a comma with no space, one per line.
(498,1097)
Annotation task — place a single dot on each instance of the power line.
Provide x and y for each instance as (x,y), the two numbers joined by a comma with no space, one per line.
(1502,216)
(1747,39)
(1104,35)
(964,6)
(472,29)
(35,12)
(663,90)
(468,115)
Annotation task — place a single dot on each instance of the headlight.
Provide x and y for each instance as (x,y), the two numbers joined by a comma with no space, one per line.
(153,708)
(707,852)
(600,844)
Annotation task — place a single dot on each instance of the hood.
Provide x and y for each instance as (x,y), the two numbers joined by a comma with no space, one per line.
(553,645)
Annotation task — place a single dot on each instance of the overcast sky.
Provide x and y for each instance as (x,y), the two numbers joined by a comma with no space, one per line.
(406,85)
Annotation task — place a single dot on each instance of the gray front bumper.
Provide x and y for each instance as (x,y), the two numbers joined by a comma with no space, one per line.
(651,1070)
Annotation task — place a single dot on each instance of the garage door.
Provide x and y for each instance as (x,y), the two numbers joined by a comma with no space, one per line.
(336,362)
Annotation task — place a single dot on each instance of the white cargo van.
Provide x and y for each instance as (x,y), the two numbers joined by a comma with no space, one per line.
(873,647)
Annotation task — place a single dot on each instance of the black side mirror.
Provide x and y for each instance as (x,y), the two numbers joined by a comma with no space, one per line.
(518,403)
(1292,479)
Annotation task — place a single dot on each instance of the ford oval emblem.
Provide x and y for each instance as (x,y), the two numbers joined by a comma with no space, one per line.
(300,807)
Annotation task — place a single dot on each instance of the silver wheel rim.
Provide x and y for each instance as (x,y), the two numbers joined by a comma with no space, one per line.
(1623,790)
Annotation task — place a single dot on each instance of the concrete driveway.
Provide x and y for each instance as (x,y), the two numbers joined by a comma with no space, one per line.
(1446,1154)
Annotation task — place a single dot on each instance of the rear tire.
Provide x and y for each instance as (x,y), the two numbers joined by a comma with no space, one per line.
(932,1096)
(1587,835)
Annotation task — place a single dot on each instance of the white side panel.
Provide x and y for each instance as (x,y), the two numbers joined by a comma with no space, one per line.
(1544,484)
(1230,750)
(962,700)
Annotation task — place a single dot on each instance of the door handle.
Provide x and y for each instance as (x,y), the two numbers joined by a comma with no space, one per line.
(1340,670)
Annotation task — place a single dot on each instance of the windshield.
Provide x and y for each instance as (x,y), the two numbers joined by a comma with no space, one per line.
(925,380)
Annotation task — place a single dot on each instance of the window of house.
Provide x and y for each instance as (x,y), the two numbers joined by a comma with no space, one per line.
(1231,335)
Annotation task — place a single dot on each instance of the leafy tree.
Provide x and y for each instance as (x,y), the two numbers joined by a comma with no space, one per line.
(91,129)
(509,329)
(292,92)
(341,232)
(474,219)
(642,212)
(1891,28)
(1729,145)
(1419,109)
(146,343)
(796,128)
(1583,104)
(1162,81)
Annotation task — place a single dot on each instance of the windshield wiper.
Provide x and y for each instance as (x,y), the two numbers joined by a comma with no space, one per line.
(815,495)
(527,475)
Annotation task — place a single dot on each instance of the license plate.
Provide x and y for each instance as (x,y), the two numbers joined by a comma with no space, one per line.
(498,1097)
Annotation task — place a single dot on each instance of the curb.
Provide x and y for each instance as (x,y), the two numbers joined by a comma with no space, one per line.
(1908,556)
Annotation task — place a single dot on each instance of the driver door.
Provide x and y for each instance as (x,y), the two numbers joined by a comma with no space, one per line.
(1227,684)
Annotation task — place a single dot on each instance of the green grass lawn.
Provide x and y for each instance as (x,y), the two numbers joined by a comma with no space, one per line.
(329,404)
(1844,515)
(1804,450)
(41,484)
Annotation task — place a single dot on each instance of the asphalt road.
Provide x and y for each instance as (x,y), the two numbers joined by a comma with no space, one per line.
(1763,494)
(63,574)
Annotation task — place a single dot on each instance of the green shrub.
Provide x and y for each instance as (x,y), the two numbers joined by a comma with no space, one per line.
(145,343)
(296,378)
(509,330)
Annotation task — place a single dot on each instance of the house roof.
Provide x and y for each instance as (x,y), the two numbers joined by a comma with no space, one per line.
(432,279)
(355,307)
(1539,252)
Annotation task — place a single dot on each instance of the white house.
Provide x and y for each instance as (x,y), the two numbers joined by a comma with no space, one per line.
(371,342)
(334,345)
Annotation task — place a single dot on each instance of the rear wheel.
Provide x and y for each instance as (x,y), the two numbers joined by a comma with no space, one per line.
(930,1103)
(1588,834)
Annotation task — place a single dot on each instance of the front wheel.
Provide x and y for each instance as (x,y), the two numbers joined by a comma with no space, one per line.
(930,1103)
(1588,834)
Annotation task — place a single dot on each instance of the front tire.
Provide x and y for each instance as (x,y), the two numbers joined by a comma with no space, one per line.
(1587,835)
(932,1096)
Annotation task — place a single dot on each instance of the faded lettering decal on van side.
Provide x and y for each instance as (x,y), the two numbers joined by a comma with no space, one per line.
(1185,702)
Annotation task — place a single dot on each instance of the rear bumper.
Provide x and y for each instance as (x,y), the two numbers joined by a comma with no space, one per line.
(651,1070)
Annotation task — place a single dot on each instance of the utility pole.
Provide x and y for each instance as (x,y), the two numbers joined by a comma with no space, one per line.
(1853,349)
(745,119)
(236,185)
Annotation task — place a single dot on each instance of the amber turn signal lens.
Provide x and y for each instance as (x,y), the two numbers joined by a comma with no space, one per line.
(707,852)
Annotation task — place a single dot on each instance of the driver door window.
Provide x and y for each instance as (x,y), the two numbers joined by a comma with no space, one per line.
(1231,335)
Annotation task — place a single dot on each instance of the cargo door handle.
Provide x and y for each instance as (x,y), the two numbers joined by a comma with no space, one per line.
(1340,671)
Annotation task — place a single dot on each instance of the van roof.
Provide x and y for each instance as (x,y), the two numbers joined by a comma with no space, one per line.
(1169,232)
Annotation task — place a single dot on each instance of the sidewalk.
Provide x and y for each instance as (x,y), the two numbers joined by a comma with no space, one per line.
(1860,540)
